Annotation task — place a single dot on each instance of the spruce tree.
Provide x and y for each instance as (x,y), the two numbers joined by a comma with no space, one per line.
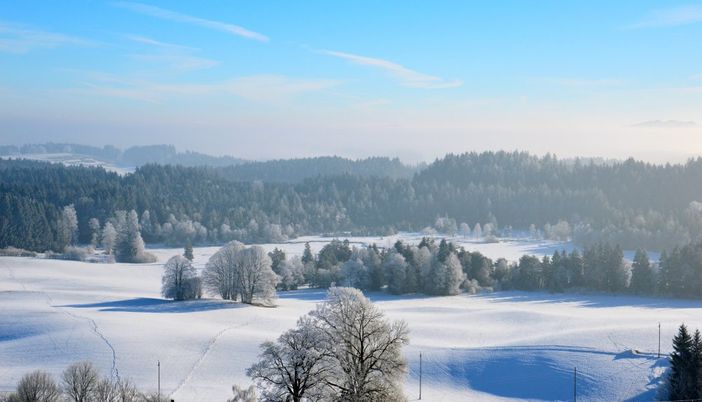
(307,256)
(641,274)
(188,252)
(683,375)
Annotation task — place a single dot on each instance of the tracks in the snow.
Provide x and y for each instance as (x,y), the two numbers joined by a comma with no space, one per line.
(206,352)
(93,325)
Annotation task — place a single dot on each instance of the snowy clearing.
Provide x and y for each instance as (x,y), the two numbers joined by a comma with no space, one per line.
(495,346)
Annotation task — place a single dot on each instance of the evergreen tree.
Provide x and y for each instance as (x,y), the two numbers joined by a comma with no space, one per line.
(683,372)
(188,251)
(130,245)
(307,256)
(277,258)
(642,280)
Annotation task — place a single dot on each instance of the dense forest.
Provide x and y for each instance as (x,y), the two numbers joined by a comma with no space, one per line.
(633,204)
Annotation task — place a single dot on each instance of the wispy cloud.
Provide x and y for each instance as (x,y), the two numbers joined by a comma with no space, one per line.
(15,38)
(169,15)
(406,76)
(179,62)
(262,88)
(670,17)
(153,42)
(177,57)
(665,124)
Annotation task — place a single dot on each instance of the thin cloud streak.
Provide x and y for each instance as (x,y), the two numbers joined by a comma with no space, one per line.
(16,38)
(671,17)
(406,76)
(178,62)
(153,42)
(259,88)
(169,15)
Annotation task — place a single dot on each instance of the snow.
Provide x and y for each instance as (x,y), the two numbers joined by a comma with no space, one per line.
(497,346)
(70,159)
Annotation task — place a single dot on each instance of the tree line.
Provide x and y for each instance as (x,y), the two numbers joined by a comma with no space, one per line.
(630,203)
(79,382)
(441,268)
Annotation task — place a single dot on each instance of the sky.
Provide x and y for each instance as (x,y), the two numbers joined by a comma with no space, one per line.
(412,79)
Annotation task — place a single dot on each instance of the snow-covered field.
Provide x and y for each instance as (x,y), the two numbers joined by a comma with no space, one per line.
(70,159)
(484,347)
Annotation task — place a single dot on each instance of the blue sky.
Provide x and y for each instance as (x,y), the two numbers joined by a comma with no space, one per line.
(414,79)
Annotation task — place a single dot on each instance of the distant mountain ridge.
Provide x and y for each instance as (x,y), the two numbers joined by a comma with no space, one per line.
(228,167)
(131,157)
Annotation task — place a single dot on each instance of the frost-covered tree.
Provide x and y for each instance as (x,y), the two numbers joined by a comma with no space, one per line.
(129,246)
(464,229)
(293,368)
(94,226)
(243,394)
(79,382)
(396,272)
(364,348)
(477,231)
(355,273)
(180,280)
(291,273)
(68,225)
(447,276)
(236,271)
(107,390)
(222,271)
(109,237)
(37,386)
(257,279)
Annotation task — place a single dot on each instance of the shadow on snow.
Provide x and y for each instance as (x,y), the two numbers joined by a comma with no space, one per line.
(589,300)
(150,305)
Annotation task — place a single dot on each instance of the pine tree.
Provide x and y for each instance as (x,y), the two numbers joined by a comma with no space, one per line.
(683,375)
(641,274)
(188,252)
(307,256)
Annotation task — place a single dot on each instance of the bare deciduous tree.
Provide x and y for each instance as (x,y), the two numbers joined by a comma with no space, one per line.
(180,280)
(257,279)
(293,367)
(37,386)
(235,271)
(243,395)
(362,346)
(221,272)
(79,381)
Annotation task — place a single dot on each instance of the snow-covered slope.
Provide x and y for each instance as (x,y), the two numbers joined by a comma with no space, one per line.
(483,347)
(70,159)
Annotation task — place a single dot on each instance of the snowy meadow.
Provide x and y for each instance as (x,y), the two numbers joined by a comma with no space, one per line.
(491,346)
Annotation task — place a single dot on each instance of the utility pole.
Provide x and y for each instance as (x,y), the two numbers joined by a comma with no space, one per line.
(659,340)
(575,384)
(420,376)
(159,380)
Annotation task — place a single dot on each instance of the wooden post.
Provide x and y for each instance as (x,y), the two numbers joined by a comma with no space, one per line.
(659,340)
(420,376)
